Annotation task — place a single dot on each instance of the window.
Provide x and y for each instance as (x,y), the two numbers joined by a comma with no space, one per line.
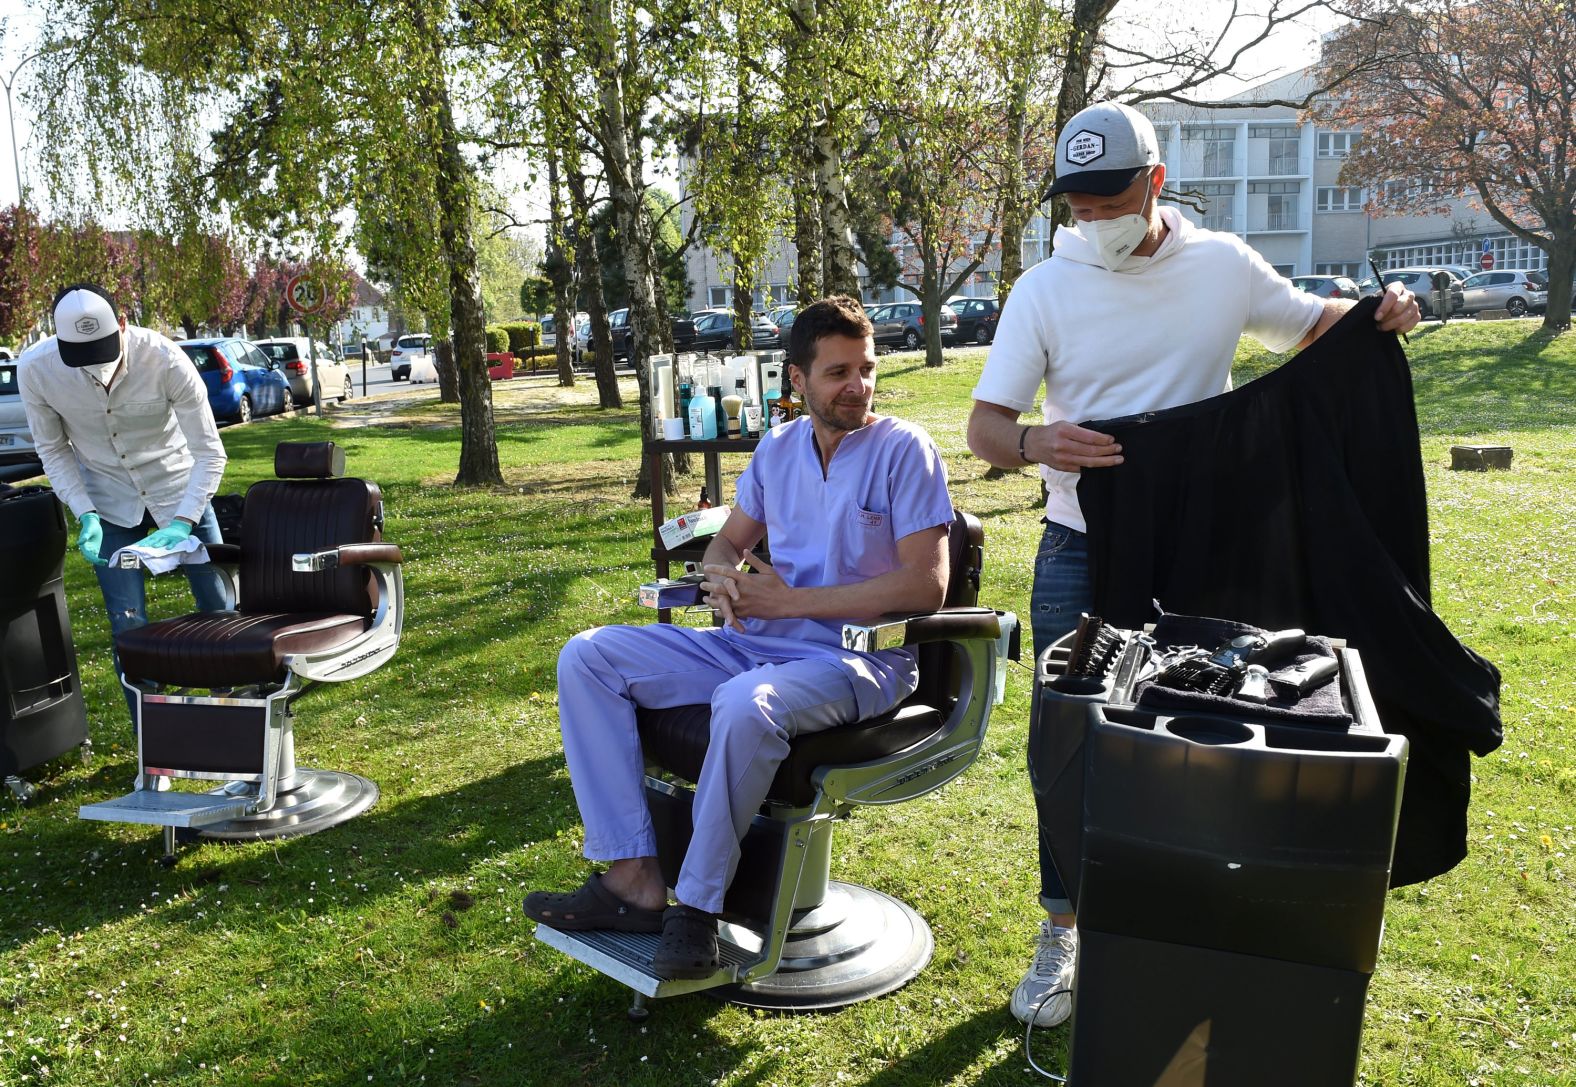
(1285,269)
(1216,201)
(1280,203)
(1337,145)
(1338,198)
(719,296)
(1211,151)
(1282,146)
(1338,268)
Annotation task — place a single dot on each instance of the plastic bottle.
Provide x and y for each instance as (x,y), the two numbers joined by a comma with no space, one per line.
(703,417)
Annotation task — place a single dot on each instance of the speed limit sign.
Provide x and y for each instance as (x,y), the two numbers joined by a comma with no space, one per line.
(305,293)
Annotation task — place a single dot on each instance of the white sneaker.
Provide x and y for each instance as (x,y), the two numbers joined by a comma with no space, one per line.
(1045,995)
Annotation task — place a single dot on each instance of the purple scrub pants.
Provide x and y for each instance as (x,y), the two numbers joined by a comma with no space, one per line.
(759,702)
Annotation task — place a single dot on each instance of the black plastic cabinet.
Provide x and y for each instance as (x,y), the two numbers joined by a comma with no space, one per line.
(41,710)
(1229,876)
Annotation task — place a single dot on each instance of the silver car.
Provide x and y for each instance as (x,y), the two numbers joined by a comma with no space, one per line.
(16,440)
(1517,293)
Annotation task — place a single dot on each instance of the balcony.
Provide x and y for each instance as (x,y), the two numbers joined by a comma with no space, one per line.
(1210,160)
(1223,223)
(1279,220)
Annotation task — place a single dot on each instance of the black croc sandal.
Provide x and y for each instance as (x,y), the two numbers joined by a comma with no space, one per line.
(689,944)
(590,906)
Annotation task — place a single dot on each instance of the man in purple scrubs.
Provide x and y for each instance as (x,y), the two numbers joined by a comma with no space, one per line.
(857,509)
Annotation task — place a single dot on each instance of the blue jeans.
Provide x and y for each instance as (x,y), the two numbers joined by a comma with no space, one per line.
(126,596)
(1062,591)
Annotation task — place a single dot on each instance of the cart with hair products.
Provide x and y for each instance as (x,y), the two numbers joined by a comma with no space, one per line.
(1221,803)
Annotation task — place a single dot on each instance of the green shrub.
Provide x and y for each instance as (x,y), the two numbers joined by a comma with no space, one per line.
(497,340)
(523,335)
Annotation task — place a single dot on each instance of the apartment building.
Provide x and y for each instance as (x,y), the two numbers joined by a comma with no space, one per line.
(1264,174)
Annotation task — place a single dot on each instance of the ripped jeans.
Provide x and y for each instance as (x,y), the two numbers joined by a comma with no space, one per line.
(1062,591)
(126,596)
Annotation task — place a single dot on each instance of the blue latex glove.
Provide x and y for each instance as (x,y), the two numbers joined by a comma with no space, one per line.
(166,538)
(89,537)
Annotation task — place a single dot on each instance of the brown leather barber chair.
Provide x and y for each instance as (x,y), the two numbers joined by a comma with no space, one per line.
(320,599)
(793,938)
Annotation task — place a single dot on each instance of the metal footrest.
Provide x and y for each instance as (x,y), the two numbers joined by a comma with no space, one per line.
(626,957)
(168,809)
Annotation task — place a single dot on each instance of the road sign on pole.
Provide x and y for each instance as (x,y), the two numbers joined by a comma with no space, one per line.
(1486,261)
(304,293)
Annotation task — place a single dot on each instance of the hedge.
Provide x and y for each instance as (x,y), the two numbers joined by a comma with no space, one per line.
(497,339)
(523,335)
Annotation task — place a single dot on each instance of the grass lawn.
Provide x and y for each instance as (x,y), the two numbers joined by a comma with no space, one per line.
(391,950)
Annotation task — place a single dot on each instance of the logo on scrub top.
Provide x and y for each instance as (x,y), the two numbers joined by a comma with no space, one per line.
(1085,147)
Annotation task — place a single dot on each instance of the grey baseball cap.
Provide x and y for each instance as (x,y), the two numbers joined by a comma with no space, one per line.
(1101,150)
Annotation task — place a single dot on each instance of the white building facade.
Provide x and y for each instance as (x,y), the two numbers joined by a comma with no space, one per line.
(1267,176)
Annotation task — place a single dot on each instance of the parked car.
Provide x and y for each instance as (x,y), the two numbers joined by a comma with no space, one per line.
(291,354)
(977,319)
(1327,286)
(352,351)
(714,331)
(904,323)
(549,331)
(407,348)
(681,328)
(16,440)
(1419,281)
(1515,292)
(783,318)
(241,380)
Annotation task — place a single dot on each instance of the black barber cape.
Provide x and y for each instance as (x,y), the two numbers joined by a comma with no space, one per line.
(1297,501)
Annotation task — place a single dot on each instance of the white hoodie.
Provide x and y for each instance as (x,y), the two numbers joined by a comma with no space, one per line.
(1158,332)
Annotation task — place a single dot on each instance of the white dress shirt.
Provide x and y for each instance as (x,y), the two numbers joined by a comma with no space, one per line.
(147,443)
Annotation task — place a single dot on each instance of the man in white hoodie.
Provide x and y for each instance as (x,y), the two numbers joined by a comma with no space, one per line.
(1117,322)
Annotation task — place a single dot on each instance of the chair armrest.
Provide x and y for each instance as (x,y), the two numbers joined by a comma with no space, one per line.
(363,554)
(945,625)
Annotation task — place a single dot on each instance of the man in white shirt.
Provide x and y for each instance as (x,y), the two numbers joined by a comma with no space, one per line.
(121,421)
(1137,310)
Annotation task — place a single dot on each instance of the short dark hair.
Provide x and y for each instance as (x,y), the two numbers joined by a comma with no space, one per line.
(93,288)
(838,315)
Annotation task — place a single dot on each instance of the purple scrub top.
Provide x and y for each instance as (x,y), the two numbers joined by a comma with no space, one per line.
(885,481)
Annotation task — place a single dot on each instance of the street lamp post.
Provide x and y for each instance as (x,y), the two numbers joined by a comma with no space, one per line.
(16,161)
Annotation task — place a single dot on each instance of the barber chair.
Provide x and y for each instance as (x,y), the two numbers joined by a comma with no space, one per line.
(320,599)
(792,938)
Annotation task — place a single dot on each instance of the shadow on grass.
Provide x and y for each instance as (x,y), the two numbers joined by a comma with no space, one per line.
(945,1057)
(448,831)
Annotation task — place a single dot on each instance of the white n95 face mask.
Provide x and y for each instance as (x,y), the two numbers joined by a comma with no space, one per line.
(1115,239)
(103,372)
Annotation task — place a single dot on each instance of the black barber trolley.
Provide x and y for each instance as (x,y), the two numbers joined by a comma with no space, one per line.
(1228,860)
(41,710)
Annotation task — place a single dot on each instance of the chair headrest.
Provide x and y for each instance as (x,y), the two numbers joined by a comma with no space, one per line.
(308,460)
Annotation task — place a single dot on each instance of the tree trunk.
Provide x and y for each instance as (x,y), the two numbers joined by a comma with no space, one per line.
(1083,34)
(930,299)
(558,272)
(840,276)
(837,230)
(456,195)
(1016,203)
(806,233)
(443,362)
(621,167)
(743,306)
(590,269)
(1562,265)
